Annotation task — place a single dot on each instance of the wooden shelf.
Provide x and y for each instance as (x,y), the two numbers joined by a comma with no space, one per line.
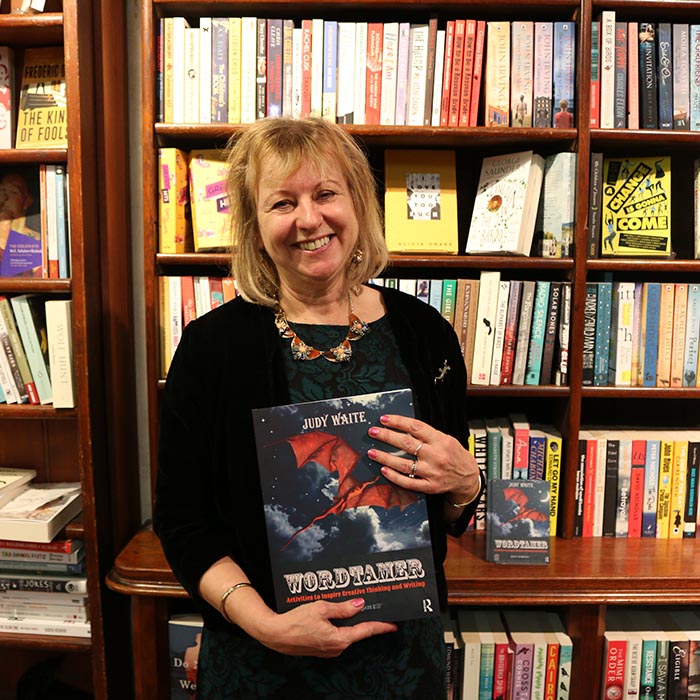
(21,30)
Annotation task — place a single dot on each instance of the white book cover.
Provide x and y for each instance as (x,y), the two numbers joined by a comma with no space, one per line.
(607,69)
(360,72)
(179,52)
(345,101)
(59,331)
(437,84)
(499,332)
(620,364)
(317,67)
(403,60)
(418,66)
(296,72)
(249,29)
(390,48)
(505,207)
(192,94)
(12,481)
(205,70)
(489,285)
(58,628)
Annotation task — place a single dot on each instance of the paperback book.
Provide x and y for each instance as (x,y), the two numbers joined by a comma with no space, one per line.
(636,207)
(184,641)
(517,521)
(337,529)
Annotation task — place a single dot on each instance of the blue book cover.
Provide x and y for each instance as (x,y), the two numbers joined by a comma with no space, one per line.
(536,454)
(665,75)
(537,331)
(563,74)
(651,333)
(602,333)
(651,487)
(692,337)
(337,529)
(517,521)
(330,69)
(184,641)
(435,297)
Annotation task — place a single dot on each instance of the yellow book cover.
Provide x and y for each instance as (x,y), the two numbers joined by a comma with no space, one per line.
(174,228)
(209,202)
(234,70)
(41,119)
(552,456)
(420,201)
(663,509)
(636,211)
(679,476)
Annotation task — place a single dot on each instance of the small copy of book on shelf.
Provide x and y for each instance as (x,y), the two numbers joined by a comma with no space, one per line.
(184,641)
(420,201)
(20,222)
(13,481)
(636,207)
(517,521)
(337,529)
(41,118)
(209,200)
(38,513)
(505,207)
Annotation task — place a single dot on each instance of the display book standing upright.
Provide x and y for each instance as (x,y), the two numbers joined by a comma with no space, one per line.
(562,404)
(70,444)
(363,536)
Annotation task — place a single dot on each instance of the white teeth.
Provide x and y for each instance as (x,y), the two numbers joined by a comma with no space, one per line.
(313,245)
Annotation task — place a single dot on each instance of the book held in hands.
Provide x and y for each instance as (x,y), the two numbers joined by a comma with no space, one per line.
(337,529)
(505,207)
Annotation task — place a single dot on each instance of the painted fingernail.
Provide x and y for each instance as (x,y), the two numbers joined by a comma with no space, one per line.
(374,431)
(358,602)
(371,453)
(384,419)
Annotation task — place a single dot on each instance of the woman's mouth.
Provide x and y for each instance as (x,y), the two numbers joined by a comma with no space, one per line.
(314,245)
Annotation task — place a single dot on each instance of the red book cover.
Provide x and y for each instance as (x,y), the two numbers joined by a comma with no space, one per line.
(511,332)
(456,78)
(467,71)
(501,668)
(614,670)
(447,73)
(589,487)
(475,96)
(639,452)
(551,670)
(375,36)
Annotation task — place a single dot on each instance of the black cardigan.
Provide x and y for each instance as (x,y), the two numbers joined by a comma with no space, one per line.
(208,497)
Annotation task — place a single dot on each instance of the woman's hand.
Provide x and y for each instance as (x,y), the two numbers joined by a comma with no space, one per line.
(308,630)
(437,462)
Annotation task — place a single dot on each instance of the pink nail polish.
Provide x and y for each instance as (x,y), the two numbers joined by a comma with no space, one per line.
(374,431)
(358,602)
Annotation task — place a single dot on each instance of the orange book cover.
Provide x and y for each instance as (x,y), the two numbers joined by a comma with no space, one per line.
(475,96)
(467,71)
(457,67)
(375,43)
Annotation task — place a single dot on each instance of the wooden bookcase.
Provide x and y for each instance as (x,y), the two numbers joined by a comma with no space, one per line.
(585,576)
(95,442)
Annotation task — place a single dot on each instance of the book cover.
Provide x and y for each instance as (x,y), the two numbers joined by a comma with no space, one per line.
(648,77)
(620,77)
(419,38)
(602,333)
(174,213)
(636,210)
(537,333)
(550,333)
(524,327)
(313,535)
(13,481)
(607,69)
(38,513)
(497,74)
(41,118)
(505,207)
(664,75)
(420,201)
(517,521)
(209,201)
(31,583)
(542,75)
(522,72)
(692,336)
(8,97)
(487,307)
(595,74)
(563,73)
(59,331)
(680,41)
(184,641)
(20,222)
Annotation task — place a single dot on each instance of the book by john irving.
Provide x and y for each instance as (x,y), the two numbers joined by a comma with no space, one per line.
(517,521)
(337,529)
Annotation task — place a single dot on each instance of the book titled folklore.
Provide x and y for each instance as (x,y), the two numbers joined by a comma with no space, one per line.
(420,201)
(517,521)
(636,207)
(337,529)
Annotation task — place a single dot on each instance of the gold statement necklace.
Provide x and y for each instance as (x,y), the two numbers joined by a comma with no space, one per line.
(340,353)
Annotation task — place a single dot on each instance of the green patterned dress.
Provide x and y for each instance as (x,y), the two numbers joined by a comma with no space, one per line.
(407,665)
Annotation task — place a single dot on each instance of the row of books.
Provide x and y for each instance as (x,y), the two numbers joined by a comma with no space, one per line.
(644,74)
(516,654)
(651,653)
(36,351)
(637,483)
(641,334)
(34,221)
(240,69)
(38,118)
(184,298)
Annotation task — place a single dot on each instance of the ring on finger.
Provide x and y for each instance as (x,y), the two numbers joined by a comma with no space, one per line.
(417,450)
(414,467)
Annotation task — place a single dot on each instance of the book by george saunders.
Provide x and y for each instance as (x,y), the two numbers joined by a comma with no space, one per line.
(337,529)
(518,521)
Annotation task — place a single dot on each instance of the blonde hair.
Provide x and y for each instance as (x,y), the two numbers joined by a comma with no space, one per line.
(288,143)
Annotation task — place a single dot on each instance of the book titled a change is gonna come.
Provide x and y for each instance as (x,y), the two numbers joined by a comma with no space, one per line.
(337,529)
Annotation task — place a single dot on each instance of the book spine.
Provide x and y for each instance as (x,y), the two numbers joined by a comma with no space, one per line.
(620,359)
(681,76)
(692,337)
(579,499)
(249,33)
(467,72)
(273,68)
(537,333)
(430,69)
(536,452)
(418,58)
(524,325)
(552,474)
(59,332)
(522,73)
(56,546)
(620,78)
(648,92)
(191,89)
(595,75)
(664,75)
(636,499)
(612,459)
(636,373)
(607,69)
(665,336)
(651,340)
(602,333)
(563,72)
(497,74)
(542,74)
(551,329)
(632,75)
(483,341)
(679,475)
(360,72)
(510,332)
(589,333)
(594,204)
(614,666)
(31,555)
(651,487)
(29,610)
(8,97)
(45,627)
(375,32)
(521,679)
(346,73)
(499,333)
(663,508)
(690,515)
(589,480)
(436,96)
(287,67)
(261,68)
(624,472)
(233,75)
(680,313)
(53,584)
(402,63)
(694,41)
(62,223)
(330,70)
(447,73)
(457,68)
(562,369)
(477,73)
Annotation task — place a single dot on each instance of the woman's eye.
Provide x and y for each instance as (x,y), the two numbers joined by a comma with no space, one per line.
(326,194)
(282,205)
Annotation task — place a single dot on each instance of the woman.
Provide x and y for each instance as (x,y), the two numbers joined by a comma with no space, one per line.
(307,233)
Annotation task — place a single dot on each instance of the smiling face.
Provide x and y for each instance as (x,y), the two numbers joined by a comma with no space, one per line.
(308,227)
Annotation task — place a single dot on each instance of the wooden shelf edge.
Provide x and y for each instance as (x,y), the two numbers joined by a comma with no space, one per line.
(155,588)
(29,411)
(45,641)
(33,155)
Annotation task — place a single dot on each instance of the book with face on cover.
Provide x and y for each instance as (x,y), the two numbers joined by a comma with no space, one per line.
(337,529)
(420,201)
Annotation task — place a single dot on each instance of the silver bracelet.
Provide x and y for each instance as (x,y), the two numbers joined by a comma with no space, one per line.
(227,593)
(482,483)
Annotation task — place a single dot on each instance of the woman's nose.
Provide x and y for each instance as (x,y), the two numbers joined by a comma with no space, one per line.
(309,214)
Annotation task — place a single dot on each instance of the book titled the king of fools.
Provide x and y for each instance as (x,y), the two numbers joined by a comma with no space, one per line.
(337,529)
